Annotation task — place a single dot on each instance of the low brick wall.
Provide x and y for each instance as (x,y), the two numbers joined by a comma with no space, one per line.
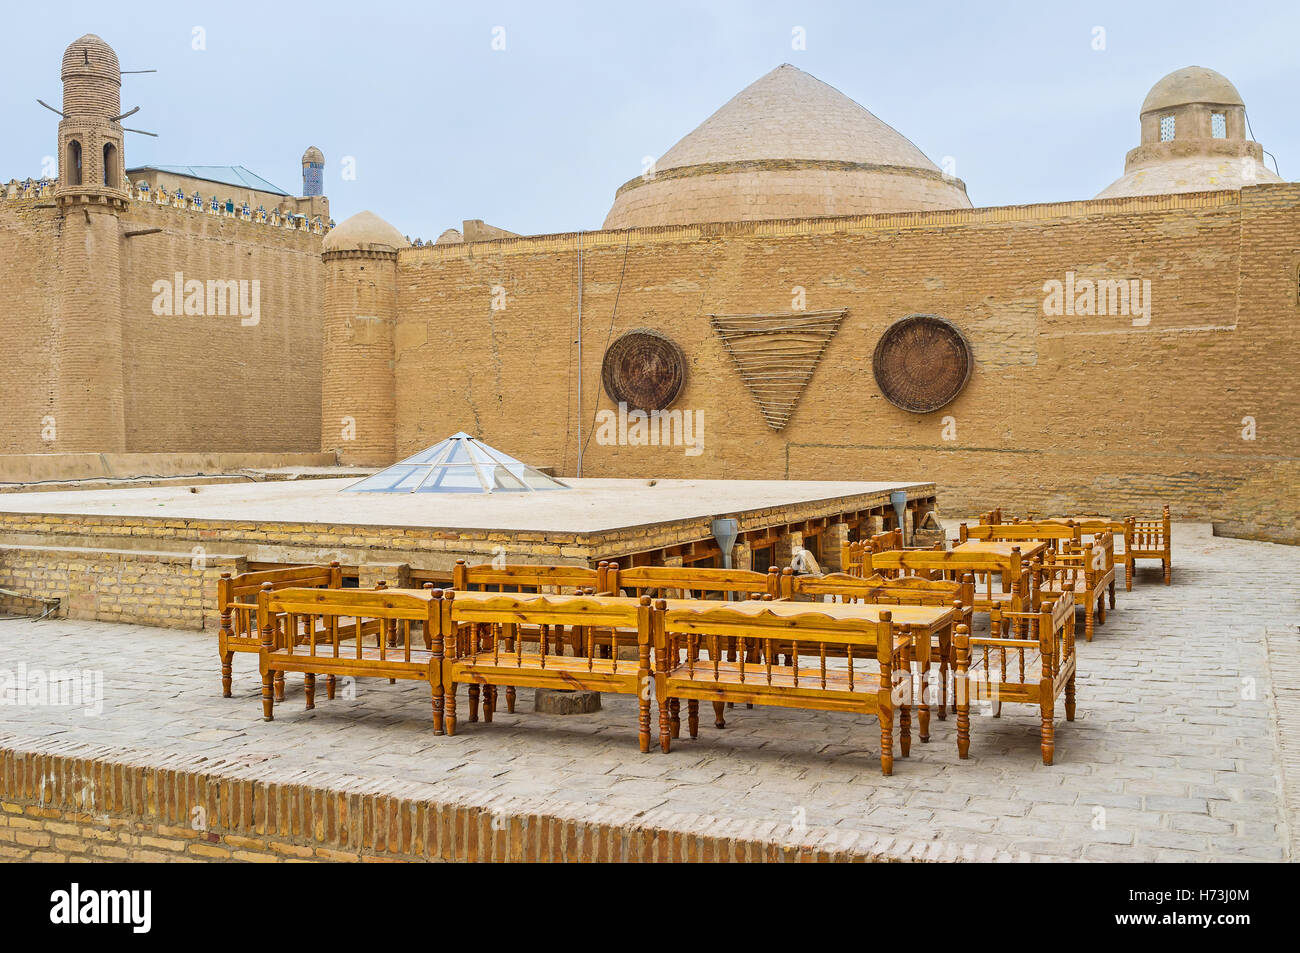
(91,804)
(177,591)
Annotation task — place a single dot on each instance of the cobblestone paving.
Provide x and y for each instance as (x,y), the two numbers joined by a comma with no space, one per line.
(1176,753)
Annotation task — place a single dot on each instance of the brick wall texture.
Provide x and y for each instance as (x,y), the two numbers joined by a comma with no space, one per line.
(1061,413)
(84,803)
(87,349)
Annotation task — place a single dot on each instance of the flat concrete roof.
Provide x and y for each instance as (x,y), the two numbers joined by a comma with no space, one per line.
(590,506)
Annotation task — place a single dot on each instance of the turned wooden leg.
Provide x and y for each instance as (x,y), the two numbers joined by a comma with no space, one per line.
(1069,699)
(693,717)
(1048,736)
(473,703)
(1112,593)
(719,721)
(309,690)
(904,729)
(330,686)
(489,702)
(961,690)
(943,689)
(1128,575)
(267,701)
(1101,609)
(226,658)
(438,727)
(963,722)
(665,726)
(886,715)
(510,699)
(643,716)
(279,686)
(449,708)
(925,702)
(675,716)
(1169,571)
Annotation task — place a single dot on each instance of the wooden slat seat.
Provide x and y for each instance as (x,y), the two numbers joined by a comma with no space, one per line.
(1035,669)
(954,565)
(526,578)
(1051,532)
(1148,538)
(331,630)
(901,591)
(237,602)
(873,650)
(484,647)
(1087,572)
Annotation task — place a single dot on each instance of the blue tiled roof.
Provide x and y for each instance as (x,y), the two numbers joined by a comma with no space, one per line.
(224,174)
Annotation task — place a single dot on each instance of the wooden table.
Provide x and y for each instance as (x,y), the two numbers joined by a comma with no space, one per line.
(1002,547)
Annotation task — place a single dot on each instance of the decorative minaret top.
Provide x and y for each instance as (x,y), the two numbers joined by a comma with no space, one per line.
(90,136)
(1193,139)
(313,172)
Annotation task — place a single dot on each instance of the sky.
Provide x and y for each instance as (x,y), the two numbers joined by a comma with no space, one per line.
(530,115)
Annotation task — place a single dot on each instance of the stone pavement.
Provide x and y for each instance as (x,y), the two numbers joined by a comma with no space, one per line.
(1184,749)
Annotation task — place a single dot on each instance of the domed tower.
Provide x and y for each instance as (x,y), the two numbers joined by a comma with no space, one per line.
(88,390)
(786,146)
(1193,139)
(90,137)
(358,382)
(313,172)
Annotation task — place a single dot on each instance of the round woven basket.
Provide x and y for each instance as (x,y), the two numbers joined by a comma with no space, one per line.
(645,369)
(922,362)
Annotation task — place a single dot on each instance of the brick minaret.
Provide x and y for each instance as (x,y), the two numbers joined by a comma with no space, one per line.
(87,394)
(358,386)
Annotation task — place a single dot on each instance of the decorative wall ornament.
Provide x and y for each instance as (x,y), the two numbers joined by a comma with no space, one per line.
(644,369)
(922,362)
(777,354)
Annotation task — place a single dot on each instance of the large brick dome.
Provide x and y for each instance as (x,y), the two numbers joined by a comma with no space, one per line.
(786,146)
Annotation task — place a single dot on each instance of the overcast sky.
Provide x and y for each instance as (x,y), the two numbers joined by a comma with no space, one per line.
(535,137)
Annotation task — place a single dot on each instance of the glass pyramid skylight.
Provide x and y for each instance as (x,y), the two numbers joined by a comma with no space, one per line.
(459,464)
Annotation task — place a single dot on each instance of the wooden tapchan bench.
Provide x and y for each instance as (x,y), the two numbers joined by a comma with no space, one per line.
(1014,571)
(1053,533)
(1087,571)
(1034,670)
(854,556)
(525,578)
(1148,538)
(237,601)
(899,591)
(864,685)
(330,628)
(705,583)
(483,648)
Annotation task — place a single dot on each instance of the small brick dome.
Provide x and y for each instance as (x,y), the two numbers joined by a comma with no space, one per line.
(364,231)
(1191,84)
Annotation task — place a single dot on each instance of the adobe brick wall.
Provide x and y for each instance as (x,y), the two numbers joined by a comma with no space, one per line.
(173,383)
(28,292)
(164,589)
(96,804)
(1061,413)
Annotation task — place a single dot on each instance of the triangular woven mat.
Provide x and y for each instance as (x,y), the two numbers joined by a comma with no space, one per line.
(777,354)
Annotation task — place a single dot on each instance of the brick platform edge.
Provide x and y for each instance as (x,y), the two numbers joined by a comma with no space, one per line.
(85,803)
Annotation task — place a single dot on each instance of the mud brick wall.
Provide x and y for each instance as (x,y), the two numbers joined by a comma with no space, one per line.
(115,376)
(172,590)
(1062,413)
